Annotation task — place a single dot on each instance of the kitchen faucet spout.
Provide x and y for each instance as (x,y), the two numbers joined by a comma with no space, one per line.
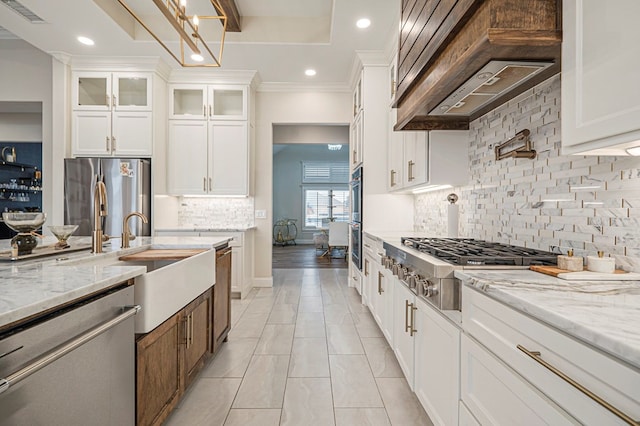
(126,233)
(99,211)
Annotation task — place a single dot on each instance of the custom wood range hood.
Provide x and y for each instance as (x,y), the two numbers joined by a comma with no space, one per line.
(459,59)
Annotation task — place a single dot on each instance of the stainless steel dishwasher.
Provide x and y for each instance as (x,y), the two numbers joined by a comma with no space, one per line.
(75,366)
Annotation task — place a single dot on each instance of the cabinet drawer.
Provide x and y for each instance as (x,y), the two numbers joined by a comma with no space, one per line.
(501,329)
(498,396)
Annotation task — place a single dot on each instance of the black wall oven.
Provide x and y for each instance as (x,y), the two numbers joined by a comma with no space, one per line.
(356,217)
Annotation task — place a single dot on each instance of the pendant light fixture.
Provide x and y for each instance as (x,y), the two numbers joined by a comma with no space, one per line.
(193,50)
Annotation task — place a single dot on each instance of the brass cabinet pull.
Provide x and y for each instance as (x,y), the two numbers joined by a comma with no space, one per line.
(393,175)
(536,356)
(354,157)
(209,110)
(380,290)
(192,333)
(114,101)
(113,143)
(406,316)
(210,184)
(414,308)
(411,164)
(204,184)
(107,145)
(108,98)
(366,267)
(204,110)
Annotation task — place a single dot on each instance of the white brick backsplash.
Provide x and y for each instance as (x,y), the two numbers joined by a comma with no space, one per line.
(505,200)
(216,213)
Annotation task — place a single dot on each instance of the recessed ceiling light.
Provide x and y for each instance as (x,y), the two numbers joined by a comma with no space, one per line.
(635,151)
(86,40)
(363,23)
(310,72)
(196,57)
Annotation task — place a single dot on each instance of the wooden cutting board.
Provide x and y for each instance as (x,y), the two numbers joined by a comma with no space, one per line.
(163,254)
(618,275)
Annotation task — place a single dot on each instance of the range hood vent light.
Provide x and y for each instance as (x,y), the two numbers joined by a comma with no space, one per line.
(490,82)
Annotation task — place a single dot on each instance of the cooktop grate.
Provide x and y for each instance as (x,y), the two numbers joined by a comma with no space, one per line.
(468,251)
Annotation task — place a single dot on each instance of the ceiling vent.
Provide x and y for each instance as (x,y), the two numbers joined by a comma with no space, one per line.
(23,11)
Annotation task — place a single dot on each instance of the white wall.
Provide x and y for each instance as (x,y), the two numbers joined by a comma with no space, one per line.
(26,76)
(21,127)
(287,180)
(284,108)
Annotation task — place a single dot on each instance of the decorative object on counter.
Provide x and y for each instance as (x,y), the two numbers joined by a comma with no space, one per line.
(524,151)
(453,214)
(285,231)
(25,224)
(600,263)
(570,263)
(62,233)
(9,156)
(188,28)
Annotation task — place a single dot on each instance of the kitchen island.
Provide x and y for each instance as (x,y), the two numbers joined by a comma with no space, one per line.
(36,286)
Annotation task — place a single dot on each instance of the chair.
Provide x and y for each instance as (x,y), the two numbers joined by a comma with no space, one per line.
(338,237)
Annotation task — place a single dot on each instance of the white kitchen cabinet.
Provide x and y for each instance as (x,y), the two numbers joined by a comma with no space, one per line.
(112,114)
(207,102)
(437,364)
(600,112)
(355,278)
(403,330)
(421,160)
(395,157)
(503,330)
(356,140)
(209,158)
(498,396)
(465,418)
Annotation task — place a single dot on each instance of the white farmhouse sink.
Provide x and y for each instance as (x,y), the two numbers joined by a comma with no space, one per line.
(166,287)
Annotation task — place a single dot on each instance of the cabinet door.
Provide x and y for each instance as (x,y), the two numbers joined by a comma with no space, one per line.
(395,155)
(197,320)
(600,89)
(228,158)
(91,134)
(402,338)
(387,303)
(91,91)
(132,134)
(370,279)
(158,371)
(227,102)
(237,270)
(497,396)
(437,365)
(356,142)
(188,102)
(187,157)
(416,146)
(222,298)
(131,92)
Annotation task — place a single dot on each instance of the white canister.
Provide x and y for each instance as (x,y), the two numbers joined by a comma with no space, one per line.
(605,265)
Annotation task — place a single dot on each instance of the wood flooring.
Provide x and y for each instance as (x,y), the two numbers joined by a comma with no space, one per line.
(305,256)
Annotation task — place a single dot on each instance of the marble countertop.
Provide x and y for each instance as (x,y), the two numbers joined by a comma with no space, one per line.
(29,287)
(203,229)
(604,314)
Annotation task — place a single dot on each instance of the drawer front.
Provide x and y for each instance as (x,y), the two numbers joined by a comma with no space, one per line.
(502,330)
(498,396)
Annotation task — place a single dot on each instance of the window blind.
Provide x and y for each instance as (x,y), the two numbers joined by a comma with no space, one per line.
(325,172)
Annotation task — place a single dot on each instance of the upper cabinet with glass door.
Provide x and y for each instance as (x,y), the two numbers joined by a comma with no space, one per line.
(207,102)
(105,91)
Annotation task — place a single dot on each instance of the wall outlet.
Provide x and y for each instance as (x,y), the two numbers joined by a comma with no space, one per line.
(261,214)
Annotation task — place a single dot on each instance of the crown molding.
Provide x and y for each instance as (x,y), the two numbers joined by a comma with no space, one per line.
(63,57)
(121,63)
(213,76)
(366,58)
(303,87)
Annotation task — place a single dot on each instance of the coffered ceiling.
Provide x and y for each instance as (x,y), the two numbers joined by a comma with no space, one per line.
(279,38)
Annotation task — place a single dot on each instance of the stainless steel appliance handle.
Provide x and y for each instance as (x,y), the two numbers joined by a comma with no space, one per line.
(537,358)
(63,349)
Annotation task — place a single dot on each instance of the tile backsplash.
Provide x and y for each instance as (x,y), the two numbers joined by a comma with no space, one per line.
(215,213)
(554,202)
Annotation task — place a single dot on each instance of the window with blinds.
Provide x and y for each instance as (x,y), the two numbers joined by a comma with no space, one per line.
(325,193)
(325,172)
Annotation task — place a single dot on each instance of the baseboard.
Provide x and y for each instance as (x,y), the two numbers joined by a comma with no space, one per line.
(263,282)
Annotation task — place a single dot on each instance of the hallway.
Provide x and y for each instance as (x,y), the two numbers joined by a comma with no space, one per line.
(305,352)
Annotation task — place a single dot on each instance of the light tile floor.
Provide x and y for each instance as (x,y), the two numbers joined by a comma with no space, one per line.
(305,352)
